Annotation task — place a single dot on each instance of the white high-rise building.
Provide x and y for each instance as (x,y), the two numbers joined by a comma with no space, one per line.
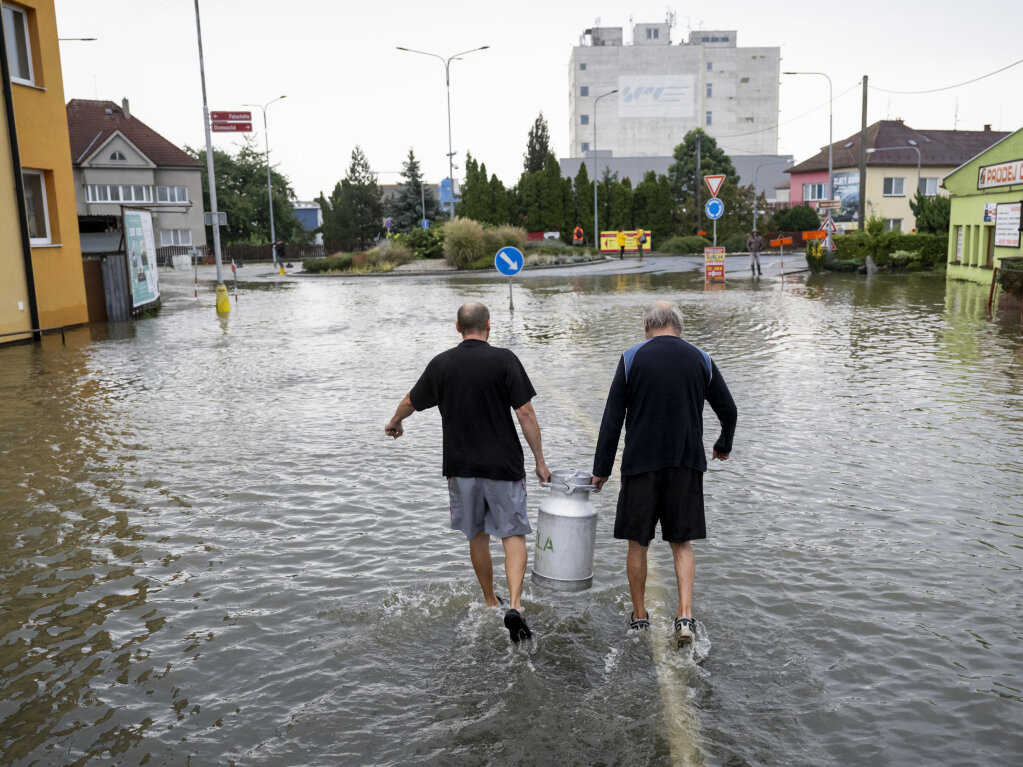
(666,90)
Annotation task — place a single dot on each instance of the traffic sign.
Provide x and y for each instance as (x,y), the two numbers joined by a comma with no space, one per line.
(245,117)
(818,235)
(714,207)
(425,223)
(781,241)
(225,127)
(829,204)
(829,225)
(714,182)
(509,261)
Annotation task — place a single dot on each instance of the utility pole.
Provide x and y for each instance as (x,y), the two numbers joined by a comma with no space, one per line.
(863,159)
(698,182)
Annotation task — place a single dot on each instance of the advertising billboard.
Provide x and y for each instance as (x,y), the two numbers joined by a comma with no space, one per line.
(1007,225)
(141,251)
(846,189)
(609,242)
(714,264)
(656,96)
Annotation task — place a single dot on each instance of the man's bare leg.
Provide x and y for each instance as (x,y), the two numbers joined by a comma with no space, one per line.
(515,557)
(635,568)
(479,553)
(685,572)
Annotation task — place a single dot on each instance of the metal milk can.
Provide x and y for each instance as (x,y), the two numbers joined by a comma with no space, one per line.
(566,530)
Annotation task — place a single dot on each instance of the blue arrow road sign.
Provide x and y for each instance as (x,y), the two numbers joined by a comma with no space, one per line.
(714,208)
(509,261)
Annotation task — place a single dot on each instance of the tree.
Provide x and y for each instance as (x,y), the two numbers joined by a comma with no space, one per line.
(682,172)
(801,218)
(242,195)
(653,207)
(620,205)
(538,146)
(405,209)
(583,190)
(932,213)
(552,211)
(353,216)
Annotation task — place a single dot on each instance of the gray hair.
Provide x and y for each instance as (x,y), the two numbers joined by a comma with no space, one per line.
(661,314)
(473,318)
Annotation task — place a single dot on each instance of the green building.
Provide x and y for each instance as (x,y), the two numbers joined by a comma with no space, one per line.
(987,196)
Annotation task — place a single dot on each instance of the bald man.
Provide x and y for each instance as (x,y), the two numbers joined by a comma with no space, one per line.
(476,387)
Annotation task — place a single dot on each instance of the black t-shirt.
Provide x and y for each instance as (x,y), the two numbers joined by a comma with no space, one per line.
(476,386)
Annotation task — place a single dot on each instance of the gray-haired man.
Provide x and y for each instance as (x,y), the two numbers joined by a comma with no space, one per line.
(658,393)
(476,386)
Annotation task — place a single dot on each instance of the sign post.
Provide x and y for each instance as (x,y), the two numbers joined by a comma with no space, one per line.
(714,209)
(714,264)
(780,243)
(509,262)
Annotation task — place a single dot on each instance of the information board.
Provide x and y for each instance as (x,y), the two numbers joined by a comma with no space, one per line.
(141,252)
(714,264)
(1007,225)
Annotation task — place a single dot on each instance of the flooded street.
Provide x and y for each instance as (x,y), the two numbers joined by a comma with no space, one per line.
(212,555)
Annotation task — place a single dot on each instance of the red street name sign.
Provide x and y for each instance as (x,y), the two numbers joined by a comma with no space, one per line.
(221,127)
(229,116)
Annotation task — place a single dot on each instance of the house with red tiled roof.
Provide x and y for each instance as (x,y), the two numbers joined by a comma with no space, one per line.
(120,162)
(900,160)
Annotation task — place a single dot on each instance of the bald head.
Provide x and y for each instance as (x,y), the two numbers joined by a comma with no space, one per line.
(473,320)
(661,317)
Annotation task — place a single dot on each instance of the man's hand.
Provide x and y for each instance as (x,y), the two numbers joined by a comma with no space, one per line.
(598,481)
(721,456)
(543,472)
(394,429)
(405,409)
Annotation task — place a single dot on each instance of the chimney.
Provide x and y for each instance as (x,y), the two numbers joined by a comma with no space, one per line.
(987,127)
(124,108)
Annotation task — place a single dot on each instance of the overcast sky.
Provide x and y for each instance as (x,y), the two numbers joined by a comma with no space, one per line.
(346,84)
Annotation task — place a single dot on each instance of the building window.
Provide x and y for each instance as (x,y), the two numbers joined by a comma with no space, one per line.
(585,146)
(116,193)
(710,90)
(175,237)
(813,192)
(710,66)
(582,66)
(893,224)
(118,156)
(724,39)
(19,50)
(894,186)
(584,90)
(172,194)
(708,118)
(35,202)
(653,34)
(929,187)
(584,119)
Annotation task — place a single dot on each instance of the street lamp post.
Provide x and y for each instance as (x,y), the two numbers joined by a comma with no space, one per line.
(447,80)
(596,230)
(755,172)
(269,186)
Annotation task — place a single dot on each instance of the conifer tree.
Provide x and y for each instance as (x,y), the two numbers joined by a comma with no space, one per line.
(538,146)
(405,209)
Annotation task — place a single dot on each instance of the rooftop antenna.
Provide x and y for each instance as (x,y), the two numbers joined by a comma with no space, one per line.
(955,116)
(670,19)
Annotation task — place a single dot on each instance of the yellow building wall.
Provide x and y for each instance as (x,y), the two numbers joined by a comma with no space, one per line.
(898,206)
(41,119)
(14,304)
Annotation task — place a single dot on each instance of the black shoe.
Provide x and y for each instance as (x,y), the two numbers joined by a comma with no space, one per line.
(516,626)
(639,624)
(685,631)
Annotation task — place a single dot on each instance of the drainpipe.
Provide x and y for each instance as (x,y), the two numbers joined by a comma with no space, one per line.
(19,188)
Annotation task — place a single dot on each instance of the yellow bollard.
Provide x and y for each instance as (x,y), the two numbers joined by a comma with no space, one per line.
(282,271)
(223,301)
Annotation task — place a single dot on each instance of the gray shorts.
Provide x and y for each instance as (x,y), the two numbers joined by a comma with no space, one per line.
(494,506)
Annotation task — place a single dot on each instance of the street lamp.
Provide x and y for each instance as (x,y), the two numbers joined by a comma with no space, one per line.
(912,145)
(447,79)
(269,187)
(755,172)
(596,230)
(830,120)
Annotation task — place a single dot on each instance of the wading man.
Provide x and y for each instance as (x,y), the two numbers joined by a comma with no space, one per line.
(476,387)
(658,393)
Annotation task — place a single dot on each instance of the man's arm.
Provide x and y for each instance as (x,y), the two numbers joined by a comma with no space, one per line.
(531,431)
(723,405)
(405,409)
(610,429)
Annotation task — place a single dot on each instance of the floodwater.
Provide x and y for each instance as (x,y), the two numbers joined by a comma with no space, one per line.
(211,554)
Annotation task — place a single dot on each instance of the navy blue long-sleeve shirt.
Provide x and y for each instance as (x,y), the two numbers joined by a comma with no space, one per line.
(658,393)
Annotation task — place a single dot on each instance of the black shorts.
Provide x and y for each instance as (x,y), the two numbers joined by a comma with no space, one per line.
(671,496)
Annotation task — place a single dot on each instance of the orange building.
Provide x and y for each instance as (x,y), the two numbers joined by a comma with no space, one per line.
(41,138)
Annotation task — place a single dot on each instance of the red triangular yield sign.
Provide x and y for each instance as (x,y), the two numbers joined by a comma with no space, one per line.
(714,183)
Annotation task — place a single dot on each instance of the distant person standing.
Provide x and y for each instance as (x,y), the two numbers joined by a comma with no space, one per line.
(577,236)
(621,244)
(640,241)
(281,252)
(476,387)
(754,244)
(658,393)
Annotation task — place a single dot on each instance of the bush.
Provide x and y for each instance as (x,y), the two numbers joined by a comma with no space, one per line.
(843,265)
(395,252)
(801,218)
(815,256)
(339,262)
(1011,278)
(689,244)
(495,238)
(424,243)
(463,242)
(736,243)
(850,247)
(933,248)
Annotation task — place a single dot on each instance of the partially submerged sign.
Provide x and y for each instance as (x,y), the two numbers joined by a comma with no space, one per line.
(714,264)
(140,246)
